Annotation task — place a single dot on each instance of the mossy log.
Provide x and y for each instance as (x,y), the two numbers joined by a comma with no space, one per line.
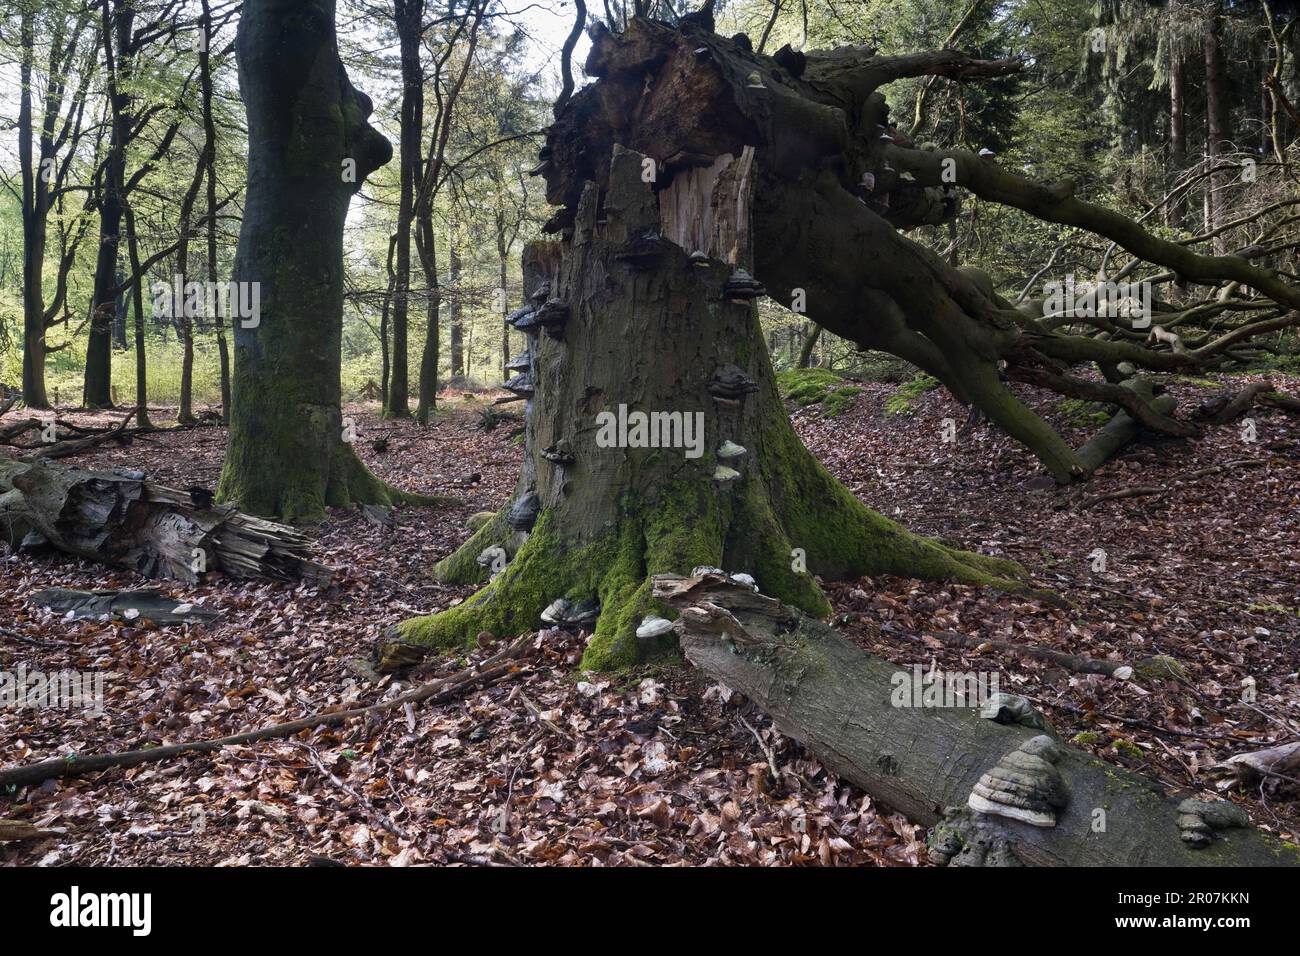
(123,521)
(843,704)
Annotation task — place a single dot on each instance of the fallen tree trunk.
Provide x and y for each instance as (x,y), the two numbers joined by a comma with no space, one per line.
(121,520)
(936,764)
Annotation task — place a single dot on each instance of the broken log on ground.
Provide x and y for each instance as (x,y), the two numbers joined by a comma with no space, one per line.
(132,607)
(122,520)
(992,793)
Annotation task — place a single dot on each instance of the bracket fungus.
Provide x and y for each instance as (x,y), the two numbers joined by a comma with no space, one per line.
(564,613)
(523,513)
(521,385)
(742,287)
(520,363)
(1199,819)
(1012,710)
(642,252)
(652,626)
(552,316)
(729,382)
(524,318)
(729,449)
(1025,785)
(561,453)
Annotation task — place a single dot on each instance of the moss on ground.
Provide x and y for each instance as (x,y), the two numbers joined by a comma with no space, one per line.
(806,386)
(840,401)
(1079,412)
(904,398)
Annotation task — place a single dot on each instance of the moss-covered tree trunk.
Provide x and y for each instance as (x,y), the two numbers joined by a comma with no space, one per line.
(628,323)
(309,150)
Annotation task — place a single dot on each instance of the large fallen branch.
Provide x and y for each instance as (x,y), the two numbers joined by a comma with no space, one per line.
(122,520)
(995,791)
(499,667)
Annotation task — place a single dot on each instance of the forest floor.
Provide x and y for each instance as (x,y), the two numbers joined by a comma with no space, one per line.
(657,767)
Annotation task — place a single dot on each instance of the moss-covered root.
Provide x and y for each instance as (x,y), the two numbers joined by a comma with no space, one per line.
(462,567)
(840,537)
(302,499)
(615,568)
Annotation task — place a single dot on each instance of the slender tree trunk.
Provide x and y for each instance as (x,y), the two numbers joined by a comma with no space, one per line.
(809,343)
(408,15)
(453,315)
(119,311)
(429,357)
(182,311)
(118,22)
(1218,127)
(210,172)
(287,452)
(1176,210)
(34,212)
(504,303)
(385,362)
(137,296)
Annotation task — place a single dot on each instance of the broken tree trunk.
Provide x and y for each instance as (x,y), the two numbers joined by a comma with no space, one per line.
(858,714)
(121,520)
(656,440)
(834,187)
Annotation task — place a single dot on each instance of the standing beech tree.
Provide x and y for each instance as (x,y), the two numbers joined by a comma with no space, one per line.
(310,148)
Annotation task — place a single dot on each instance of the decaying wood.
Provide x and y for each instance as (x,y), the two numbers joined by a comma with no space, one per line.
(122,520)
(137,607)
(1229,409)
(21,830)
(499,667)
(1076,663)
(1282,761)
(925,761)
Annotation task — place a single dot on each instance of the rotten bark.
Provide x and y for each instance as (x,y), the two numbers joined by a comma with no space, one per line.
(122,520)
